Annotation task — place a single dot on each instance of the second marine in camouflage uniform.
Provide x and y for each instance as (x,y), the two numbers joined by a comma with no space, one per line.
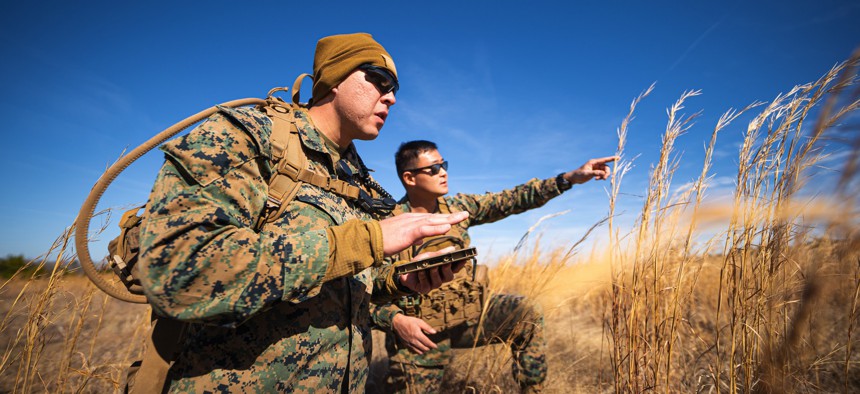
(508,318)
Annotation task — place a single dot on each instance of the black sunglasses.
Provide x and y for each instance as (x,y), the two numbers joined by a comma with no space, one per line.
(434,168)
(381,78)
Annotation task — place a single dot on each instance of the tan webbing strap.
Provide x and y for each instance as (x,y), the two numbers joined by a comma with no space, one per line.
(292,166)
(162,347)
(336,186)
(456,231)
(443,205)
(406,254)
(129,220)
(280,129)
(287,151)
(444,208)
(297,86)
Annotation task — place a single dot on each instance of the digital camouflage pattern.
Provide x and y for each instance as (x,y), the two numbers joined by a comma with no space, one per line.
(508,318)
(263,318)
(417,379)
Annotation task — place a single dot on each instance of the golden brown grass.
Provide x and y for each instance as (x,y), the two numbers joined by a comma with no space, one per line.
(83,342)
(60,334)
(772,309)
(765,305)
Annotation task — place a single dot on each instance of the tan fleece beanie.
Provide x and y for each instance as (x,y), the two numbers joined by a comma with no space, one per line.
(338,56)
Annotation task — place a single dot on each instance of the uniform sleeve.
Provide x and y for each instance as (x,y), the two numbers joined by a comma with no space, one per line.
(490,207)
(383,315)
(386,285)
(201,259)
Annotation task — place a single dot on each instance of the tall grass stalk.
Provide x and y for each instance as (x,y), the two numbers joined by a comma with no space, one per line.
(760,284)
(39,318)
(639,306)
(698,188)
(49,317)
(616,320)
(852,321)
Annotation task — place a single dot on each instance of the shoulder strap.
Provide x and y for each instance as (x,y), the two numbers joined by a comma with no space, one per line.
(456,230)
(291,169)
(405,254)
(443,205)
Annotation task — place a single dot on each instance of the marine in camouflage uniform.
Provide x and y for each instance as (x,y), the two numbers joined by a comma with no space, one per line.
(282,309)
(508,318)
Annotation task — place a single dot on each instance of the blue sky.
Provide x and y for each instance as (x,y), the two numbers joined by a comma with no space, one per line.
(509,90)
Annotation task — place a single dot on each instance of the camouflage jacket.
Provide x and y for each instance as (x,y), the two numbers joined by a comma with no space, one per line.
(482,208)
(267,311)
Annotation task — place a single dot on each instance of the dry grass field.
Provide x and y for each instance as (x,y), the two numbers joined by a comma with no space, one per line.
(767,302)
(77,339)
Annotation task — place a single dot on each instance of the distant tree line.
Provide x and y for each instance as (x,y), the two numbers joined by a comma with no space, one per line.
(10,264)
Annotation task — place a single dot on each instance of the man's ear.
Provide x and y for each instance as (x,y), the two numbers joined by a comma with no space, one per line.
(408,178)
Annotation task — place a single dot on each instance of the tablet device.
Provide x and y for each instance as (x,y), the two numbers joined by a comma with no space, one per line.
(430,262)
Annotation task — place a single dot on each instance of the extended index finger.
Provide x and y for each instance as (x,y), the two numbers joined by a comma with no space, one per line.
(604,160)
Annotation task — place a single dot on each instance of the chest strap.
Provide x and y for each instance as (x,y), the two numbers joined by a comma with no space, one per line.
(292,165)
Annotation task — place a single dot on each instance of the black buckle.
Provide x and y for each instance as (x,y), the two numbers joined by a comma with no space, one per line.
(373,206)
(377,206)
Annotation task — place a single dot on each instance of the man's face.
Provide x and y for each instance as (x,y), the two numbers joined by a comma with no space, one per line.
(423,180)
(363,108)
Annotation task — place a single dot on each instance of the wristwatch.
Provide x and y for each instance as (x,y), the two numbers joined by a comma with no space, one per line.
(563,184)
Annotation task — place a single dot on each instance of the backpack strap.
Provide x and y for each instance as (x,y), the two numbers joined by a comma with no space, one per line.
(291,168)
(297,86)
(405,254)
(123,250)
(163,344)
(456,230)
(443,205)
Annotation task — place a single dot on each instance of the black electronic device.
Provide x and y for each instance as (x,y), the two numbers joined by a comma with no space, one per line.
(430,262)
